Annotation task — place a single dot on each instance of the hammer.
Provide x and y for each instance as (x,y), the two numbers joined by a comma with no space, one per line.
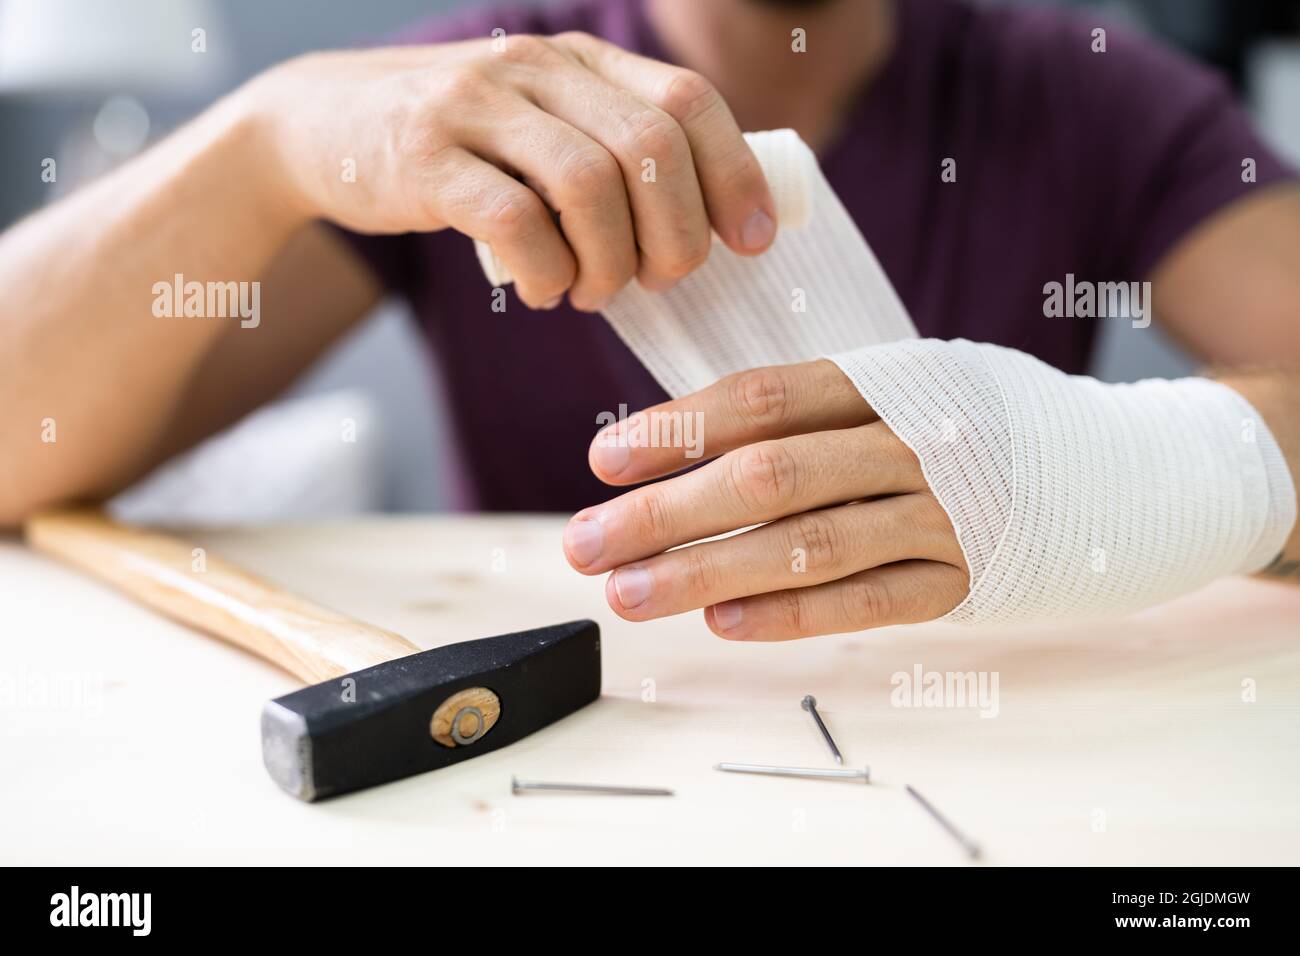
(378,708)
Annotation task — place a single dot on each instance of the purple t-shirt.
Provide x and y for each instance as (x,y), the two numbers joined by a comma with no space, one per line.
(1067,161)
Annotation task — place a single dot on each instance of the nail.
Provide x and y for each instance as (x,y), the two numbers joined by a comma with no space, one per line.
(758,230)
(811,772)
(809,703)
(633,586)
(583,539)
(726,615)
(970,846)
(518,786)
(610,452)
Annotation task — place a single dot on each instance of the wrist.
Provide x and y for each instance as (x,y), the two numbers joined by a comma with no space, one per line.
(1075,498)
(258,130)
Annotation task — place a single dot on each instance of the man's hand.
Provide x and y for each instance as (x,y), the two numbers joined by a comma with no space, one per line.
(850,535)
(641,161)
(491,137)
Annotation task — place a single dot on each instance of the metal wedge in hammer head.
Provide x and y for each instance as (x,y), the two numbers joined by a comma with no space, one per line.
(428,710)
(378,707)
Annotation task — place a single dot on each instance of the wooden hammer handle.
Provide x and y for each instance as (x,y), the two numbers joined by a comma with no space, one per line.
(172,576)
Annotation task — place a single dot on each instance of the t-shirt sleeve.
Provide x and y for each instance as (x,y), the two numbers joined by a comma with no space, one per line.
(1197,147)
(1161,141)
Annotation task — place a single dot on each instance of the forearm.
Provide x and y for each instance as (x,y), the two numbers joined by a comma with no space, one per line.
(1275,394)
(89,374)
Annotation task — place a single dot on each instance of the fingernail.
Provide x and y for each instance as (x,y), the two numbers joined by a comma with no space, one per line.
(758,230)
(552,303)
(584,539)
(726,615)
(633,586)
(610,453)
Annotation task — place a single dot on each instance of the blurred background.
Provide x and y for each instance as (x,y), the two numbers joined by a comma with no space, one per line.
(91,82)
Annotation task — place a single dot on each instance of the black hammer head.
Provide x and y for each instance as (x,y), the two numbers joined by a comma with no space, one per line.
(428,710)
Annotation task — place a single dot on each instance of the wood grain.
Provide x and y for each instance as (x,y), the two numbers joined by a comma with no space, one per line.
(487,703)
(186,583)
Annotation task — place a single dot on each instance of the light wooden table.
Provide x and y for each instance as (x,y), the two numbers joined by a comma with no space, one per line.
(126,738)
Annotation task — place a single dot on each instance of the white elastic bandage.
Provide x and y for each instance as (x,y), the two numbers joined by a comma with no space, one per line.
(1069,497)
(1074,498)
(817,290)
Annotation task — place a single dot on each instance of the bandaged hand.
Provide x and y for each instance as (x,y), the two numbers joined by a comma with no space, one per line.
(918,479)
(851,535)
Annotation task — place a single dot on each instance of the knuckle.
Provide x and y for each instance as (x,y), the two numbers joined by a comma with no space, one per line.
(936,530)
(419,147)
(790,612)
(513,214)
(460,85)
(701,572)
(816,534)
(888,448)
(930,516)
(686,94)
(650,519)
(577,39)
(761,397)
(416,136)
(956,587)
(587,174)
(866,602)
(527,48)
(652,133)
(764,476)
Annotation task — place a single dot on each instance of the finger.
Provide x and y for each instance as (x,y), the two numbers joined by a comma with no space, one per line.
(580,180)
(736,194)
(653,156)
(481,201)
(750,406)
(796,552)
(902,593)
(753,484)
